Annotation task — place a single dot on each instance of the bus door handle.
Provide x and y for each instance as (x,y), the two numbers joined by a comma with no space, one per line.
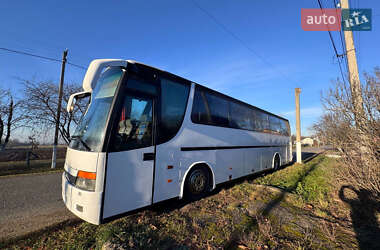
(148,157)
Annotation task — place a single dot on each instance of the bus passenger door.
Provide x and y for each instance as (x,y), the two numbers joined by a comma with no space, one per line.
(130,162)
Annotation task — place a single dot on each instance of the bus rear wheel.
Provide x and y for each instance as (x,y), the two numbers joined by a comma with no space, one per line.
(276,164)
(197,183)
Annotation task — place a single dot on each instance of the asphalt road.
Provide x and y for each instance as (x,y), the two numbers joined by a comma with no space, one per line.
(308,152)
(29,203)
(33,202)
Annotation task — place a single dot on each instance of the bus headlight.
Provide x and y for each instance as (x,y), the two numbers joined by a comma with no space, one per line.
(86,180)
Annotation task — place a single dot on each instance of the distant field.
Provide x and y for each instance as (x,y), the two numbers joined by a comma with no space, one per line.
(13,159)
(19,153)
(39,146)
(19,167)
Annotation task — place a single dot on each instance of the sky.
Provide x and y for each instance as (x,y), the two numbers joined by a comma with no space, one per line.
(252,50)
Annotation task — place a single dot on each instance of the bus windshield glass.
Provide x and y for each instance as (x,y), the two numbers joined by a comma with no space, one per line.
(90,131)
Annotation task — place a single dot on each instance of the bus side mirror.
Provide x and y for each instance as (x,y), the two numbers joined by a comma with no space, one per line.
(71,103)
(73,100)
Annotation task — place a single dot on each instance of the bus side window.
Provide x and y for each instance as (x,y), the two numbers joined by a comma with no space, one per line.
(174,97)
(219,109)
(241,117)
(261,121)
(209,108)
(201,111)
(275,124)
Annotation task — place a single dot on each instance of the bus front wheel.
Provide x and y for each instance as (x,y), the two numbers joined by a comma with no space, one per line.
(197,183)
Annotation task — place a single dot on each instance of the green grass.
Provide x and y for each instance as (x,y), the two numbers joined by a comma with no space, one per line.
(230,218)
(311,180)
(36,166)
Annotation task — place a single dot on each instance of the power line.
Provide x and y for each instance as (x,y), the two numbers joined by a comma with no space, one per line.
(333,44)
(76,65)
(41,57)
(29,54)
(331,38)
(341,71)
(237,38)
(46,46)
(344,58)
(340,31)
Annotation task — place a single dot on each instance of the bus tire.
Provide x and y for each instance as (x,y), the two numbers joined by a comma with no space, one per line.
(197,183)
(276,163)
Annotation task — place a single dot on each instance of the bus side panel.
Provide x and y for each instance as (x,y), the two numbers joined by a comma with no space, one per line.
(252,160)
(266,157)
(281,150)
(167,172)
(229,162)
(284,151)
(283,154)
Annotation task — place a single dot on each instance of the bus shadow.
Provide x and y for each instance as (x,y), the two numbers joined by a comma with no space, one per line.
(363,216)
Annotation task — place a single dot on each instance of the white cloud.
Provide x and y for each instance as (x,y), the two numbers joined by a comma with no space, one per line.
(230,71)
(305,112)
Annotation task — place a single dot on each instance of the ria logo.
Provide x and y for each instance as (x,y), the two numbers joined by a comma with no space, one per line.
(336,19)
(357,19)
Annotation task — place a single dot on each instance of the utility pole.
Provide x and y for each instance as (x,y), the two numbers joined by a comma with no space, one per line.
(298,126)
(60,90)
(356,90)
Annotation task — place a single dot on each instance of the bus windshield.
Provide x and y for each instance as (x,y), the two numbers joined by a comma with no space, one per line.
(90,131)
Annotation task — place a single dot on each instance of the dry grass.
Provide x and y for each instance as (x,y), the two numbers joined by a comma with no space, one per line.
(241,216)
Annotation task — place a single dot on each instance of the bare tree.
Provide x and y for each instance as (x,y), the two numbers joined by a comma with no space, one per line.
(360,168)
(41,101)
(10,116)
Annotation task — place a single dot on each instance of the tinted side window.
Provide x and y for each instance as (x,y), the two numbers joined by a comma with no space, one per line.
(219,109)
(201,111)
(275,125)
(209,108)
(284,127)
(138,84)
(174,97)
(213,109)
(241,116)
(261,121)
(288,129)
(265,120)
(257,124)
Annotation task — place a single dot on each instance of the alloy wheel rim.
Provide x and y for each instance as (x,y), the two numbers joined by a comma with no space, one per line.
(197,181)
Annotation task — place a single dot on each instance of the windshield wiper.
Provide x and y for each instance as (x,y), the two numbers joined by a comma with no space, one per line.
(80,139)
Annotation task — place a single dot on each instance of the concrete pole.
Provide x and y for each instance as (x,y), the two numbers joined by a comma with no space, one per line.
(54,156)
(298,126)
(356,90)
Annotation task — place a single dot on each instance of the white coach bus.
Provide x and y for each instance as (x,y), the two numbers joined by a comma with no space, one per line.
(149,136)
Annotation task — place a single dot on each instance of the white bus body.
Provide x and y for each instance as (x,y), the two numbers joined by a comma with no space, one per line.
(148,136)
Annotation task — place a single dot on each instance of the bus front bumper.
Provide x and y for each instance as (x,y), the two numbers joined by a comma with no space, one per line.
(84,204)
